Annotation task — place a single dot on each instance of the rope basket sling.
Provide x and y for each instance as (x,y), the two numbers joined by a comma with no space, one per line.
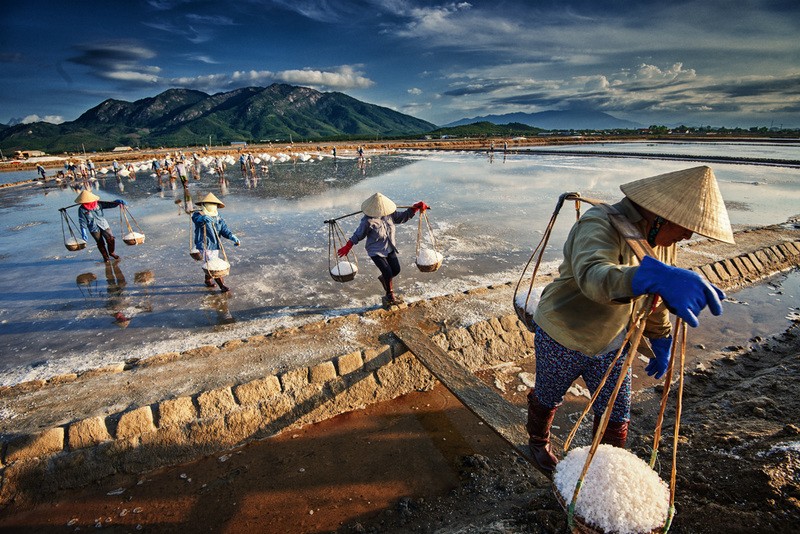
(131,237)
(336,240)
(73,243)
(421,237)
(635,332)
(225,269)
(194,253)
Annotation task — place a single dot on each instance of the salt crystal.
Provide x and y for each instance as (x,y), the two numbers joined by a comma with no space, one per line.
(131,236)
(529,379)
(427,257)
(620,492)
(532,303)
(344,268)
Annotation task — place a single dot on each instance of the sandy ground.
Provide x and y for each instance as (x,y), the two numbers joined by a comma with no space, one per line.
(423,463)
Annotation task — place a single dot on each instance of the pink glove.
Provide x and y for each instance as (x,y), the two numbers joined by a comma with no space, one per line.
(420,206)
(345,249)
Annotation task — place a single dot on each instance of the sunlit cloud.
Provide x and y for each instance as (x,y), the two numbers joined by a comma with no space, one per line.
(52,119)
(414,91)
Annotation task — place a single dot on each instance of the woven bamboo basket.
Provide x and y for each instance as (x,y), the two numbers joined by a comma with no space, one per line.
(524,316)
(344,277)
(135,240)
(80,245)
(429,268)
(217,273)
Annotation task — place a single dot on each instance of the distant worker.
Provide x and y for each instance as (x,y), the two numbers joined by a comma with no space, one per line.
(42,172)
(208,227)
(92,221)
(377,226)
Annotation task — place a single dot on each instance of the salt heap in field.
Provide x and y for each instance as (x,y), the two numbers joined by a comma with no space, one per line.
(428,257)
(620,492)
(344,268)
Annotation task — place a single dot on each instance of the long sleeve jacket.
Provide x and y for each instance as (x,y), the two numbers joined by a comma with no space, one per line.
(379,232)
(94,220)
(208,240)
(591,301)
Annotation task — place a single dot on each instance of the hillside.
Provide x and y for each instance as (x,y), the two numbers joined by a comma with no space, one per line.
(556,120)
(183,117)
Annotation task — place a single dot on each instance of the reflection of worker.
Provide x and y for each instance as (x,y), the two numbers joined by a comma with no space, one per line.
(581,319)
(377,226)
(93,221)
(208,225)
(115,290)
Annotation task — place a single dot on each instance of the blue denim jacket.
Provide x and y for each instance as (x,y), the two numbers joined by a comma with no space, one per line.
(379,232)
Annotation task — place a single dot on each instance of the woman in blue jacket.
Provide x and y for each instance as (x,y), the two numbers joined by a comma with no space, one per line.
(92,221)
(208,225)
(377,226)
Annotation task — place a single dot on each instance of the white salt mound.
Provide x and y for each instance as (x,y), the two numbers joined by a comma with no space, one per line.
(133,235)
(428,256)
(536,295)
(75,241)
(344,268)
(620,492)
(216,264)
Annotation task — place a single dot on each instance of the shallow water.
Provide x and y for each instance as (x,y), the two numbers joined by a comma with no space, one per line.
(58,309)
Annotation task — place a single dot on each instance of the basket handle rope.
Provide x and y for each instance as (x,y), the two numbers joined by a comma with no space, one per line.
(336,240)
(65,218)
(423,215)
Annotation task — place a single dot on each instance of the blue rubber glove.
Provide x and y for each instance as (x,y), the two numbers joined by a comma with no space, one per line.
(658,365)
(120,202)
(84,235)
(235,240)
(685,292)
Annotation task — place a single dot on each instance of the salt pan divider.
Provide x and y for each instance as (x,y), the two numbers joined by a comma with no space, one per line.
(426,268)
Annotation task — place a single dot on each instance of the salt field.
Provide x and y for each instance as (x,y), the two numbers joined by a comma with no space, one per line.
(63,311)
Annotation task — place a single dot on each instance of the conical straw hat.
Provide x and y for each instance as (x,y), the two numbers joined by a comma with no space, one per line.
(211,198)
(378,206)
(689,198)
(86,197)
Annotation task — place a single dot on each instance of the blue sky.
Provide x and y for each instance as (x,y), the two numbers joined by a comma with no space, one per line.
(709,62)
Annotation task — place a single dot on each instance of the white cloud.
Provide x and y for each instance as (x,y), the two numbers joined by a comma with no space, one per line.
(345,77)
(52,119)
(414,91)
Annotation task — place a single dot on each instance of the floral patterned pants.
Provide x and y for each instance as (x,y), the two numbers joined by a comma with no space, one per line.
(557,367)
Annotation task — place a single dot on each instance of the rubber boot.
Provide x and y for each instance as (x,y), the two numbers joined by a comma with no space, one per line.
(616,434)
(209,281)
(540,418)
(222,287)
(112,243)
(101,246)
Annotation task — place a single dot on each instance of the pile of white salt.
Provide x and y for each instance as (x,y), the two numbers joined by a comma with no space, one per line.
(533,302)
(427,257)
(344,268)
(75,241)
(133,236)
(216,264)
(620,492)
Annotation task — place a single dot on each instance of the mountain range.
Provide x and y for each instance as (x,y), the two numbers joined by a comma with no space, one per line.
(185,117)
(556,120)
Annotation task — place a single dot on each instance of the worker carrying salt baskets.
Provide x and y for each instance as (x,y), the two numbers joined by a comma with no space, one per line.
(209,226)
(92,221)
(377,226)
(581,319)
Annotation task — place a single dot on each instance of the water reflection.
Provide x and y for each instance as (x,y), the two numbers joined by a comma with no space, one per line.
(486,218)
